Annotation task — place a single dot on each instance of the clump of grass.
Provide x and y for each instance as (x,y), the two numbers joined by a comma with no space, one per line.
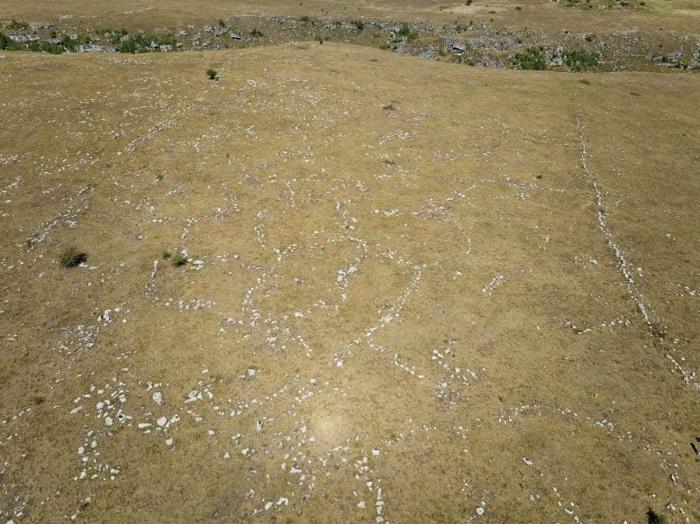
(578,60)
(532,59)
(405,32)
(16,25)
(46,47)
(128,45)
(166,254)
(584,81)
(212,74)
(389,107)
(113,35)
(5,42)
(256,33)
(655,518)
(141,42)
(71,257)
(179,260)
(69,44)
(359,24)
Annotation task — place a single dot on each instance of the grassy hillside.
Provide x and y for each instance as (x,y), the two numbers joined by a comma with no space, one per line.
(336,284)
(574,15)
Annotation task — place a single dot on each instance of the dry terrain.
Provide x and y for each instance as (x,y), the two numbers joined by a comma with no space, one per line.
(339,284)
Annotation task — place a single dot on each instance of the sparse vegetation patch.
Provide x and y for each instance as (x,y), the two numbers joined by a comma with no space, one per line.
(579,60)
(532,59)
(71,257)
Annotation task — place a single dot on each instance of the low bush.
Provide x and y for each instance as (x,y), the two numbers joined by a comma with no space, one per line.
(656,518)
(578,60)
(143,42)
(5,41)
(16,25)
(71,257)
(533,59)
(405,32)
(179,260)
(46,47)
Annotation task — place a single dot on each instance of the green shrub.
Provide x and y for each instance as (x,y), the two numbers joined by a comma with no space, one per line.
(127,45)
(141,42)
(256,33)
(17,25)
(359,24)
(404,30)
(578,60)
(46,47)
(179,260)
(655,518)
(116,36)
(69,44)
(5,41)
(212,74)
(71,257)
(534,58)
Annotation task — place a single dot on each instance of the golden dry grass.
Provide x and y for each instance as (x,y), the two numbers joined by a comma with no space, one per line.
(679,16)
(435,319)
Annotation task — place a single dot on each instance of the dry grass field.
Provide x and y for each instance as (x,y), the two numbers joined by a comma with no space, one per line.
(338,284)
(669,15)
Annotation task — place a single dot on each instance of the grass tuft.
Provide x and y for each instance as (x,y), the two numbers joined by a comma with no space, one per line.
(71,257)
(656,518)
(179,260)
(532,59)
(578,60)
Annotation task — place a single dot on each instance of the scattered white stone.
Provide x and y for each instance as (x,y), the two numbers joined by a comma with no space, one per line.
(158,397)
(162,421)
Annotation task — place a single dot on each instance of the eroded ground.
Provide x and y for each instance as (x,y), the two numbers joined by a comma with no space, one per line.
(414,291)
